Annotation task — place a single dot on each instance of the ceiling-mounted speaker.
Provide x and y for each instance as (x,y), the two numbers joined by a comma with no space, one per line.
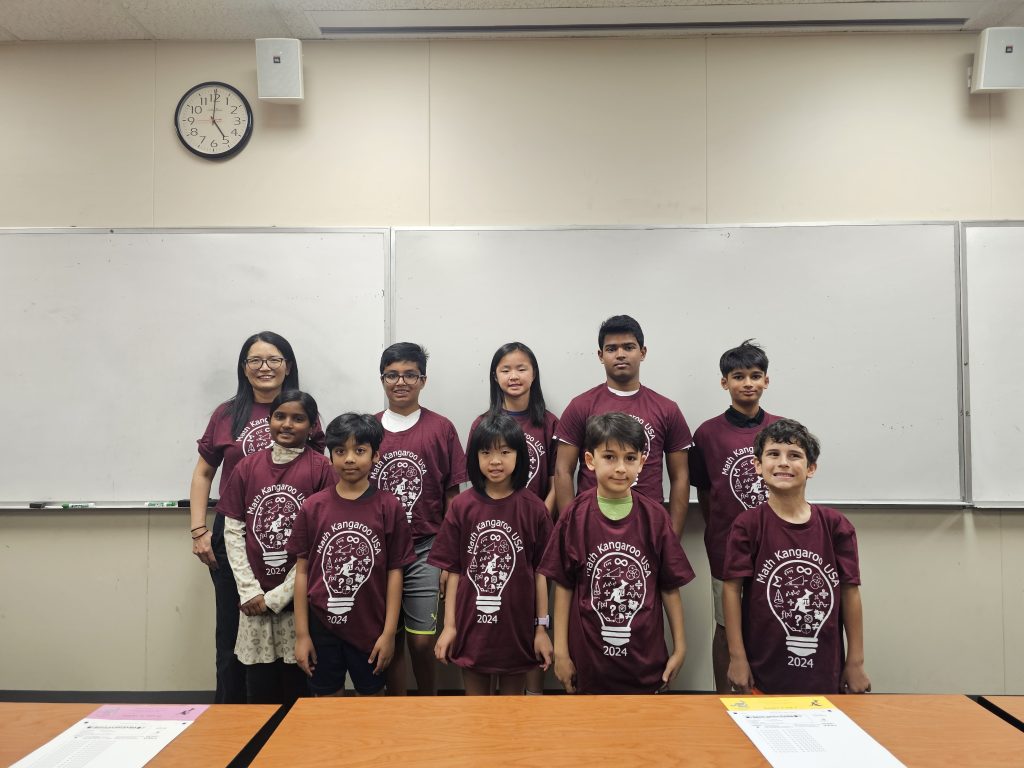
(279,69)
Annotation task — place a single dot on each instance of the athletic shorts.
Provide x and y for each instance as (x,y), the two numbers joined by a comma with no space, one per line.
(419,592)
(335,657)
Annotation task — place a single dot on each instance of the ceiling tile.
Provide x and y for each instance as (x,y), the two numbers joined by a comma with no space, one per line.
(208,20)
(64,20)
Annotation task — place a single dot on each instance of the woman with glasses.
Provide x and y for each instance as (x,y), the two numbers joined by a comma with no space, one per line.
(237,428)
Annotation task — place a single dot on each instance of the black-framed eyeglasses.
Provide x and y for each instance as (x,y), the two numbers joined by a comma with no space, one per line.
(391,377)
(255,363)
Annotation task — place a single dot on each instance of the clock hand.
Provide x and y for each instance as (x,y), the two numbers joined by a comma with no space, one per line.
(217,126)
(213,119)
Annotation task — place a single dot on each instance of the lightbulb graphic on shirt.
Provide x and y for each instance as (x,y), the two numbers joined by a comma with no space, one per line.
(346,565)
(800,597)
(494,559)
(255,437)
(402,477)
(272,524)
(617,592)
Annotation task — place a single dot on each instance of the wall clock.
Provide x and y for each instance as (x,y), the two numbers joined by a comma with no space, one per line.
(213,120)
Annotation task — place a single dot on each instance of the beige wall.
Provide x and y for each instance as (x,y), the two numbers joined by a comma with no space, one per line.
(718,130)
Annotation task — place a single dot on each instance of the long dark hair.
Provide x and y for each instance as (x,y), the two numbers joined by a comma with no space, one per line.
(494,429)
(536,407)
(240,406)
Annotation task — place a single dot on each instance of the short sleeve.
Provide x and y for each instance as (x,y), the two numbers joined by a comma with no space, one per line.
(456,460)
(298,542)
(469,437)
(232,500)
(444,553)
(542,535)
(398,536)
(212,453)
(557,562)
(675,568)
(740,549)
(844,543)
(572,425)
(678,436)
(698,468)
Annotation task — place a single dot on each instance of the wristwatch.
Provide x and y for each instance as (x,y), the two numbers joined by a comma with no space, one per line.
(542,621)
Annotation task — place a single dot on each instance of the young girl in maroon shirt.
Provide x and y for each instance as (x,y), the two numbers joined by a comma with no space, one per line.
(491,541)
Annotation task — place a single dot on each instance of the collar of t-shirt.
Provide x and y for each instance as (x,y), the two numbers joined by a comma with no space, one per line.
(743,421)
(396,422)
(281,455)
(620,393)
(615,509)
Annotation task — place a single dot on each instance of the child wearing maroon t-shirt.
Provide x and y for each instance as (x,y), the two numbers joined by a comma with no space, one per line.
(352,542)
(262,498)
(792,581)
(491,541)
(421,463)
(621,349)
(722,470)
(616,563)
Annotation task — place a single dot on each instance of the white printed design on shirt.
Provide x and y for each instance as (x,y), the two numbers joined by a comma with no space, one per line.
(401,473)
(650,435)
(618,586)
(493,546)
(255,437)
(347,559)
(273,514)
(747,485)
(536,452)
(800,596)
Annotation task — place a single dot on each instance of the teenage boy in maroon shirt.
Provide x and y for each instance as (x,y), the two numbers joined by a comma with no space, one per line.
(616,562)
(422,463)
(722,470)
(621,349)
(792,581)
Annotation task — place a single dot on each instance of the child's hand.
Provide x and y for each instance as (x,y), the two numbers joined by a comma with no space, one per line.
(442,585)
(565,671)
(672,667)
(740,678)
(542,649)
(854,679)
(305,654)
(254,607)
(444,644)
(382,653)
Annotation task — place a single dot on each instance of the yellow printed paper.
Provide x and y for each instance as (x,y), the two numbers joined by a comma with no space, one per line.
(762,703)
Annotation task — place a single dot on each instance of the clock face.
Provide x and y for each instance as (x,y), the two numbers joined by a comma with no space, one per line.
(213,120)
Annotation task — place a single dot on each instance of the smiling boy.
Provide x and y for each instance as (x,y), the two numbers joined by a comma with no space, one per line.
(666,436)
(422,463)
(792,581)
(722,470)
(616,562)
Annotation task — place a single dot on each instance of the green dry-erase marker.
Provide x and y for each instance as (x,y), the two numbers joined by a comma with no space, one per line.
(161,503)
(78,505)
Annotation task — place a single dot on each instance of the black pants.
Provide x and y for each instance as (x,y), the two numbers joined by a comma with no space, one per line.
(274,683)
(230,671)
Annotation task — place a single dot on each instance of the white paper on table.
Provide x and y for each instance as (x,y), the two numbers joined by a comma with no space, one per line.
(818,736)
(102,740)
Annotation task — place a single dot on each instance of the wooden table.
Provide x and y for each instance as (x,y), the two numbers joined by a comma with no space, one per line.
(1012,706)
(593,731)
(214,738)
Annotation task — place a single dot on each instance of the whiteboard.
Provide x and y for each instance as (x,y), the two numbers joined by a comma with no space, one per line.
(120,345)
(994,274)
(859,322)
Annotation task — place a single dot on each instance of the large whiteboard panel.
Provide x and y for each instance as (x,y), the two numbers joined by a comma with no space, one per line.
(860,323)
(120,345)
(994,274)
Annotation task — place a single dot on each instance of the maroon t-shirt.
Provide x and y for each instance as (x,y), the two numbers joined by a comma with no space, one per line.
(540,442)
(495,545)
(722,464)
(417,466)
(617,570)
(351,545)
(266,497)
(218,444)
(792,616)
(662,421)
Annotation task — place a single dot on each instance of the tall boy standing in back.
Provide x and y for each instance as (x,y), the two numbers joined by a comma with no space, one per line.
(621,349)
(722,470)
(422,463)
(792,581)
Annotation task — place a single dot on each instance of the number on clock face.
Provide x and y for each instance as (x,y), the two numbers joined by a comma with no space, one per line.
(213,120)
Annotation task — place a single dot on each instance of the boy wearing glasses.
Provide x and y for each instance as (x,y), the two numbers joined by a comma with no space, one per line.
(421,463)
